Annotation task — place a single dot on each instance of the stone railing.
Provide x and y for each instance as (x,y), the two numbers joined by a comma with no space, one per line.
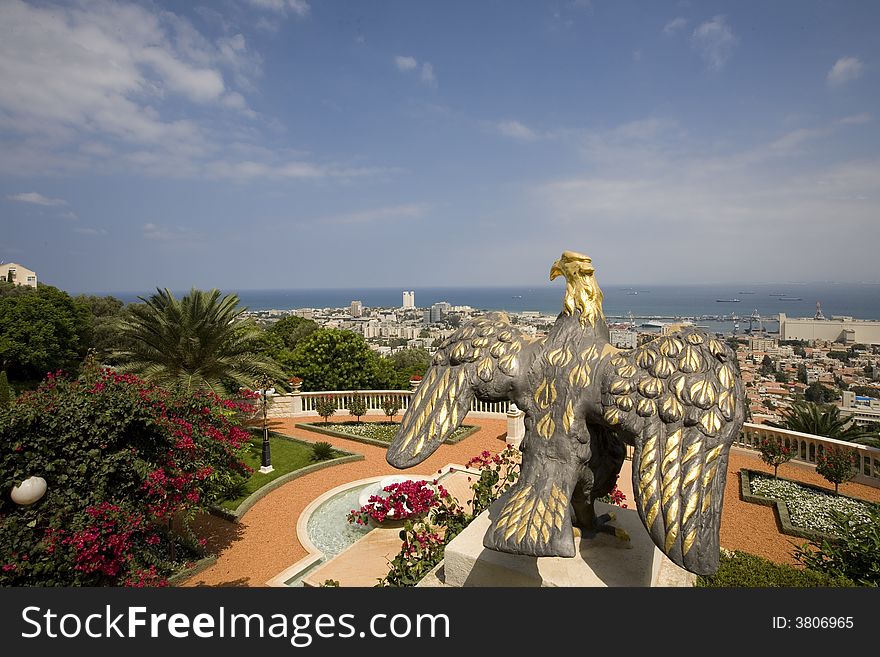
(296,404)
(807,447)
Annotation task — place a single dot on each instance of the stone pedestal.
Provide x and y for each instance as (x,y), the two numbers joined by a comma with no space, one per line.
(603,560)
(516,428)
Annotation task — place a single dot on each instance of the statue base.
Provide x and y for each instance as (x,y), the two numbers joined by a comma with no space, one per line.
(603,560)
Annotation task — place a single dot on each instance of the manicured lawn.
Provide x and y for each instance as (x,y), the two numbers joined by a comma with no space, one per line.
(287,456)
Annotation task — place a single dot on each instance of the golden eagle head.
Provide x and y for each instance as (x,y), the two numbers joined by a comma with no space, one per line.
(582,293)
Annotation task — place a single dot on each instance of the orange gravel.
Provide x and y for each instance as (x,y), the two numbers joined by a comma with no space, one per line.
(264,543)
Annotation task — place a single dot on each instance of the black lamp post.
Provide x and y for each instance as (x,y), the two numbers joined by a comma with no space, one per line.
(266,462)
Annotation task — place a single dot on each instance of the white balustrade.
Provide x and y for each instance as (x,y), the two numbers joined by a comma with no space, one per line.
(807,447)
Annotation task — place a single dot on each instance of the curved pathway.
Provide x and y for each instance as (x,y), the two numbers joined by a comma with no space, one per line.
(264,543)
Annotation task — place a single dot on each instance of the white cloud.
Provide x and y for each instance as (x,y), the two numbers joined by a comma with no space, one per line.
(404,63)
(35,198)
(674,26)
(715,41)
(516,130)
(696,208)
(98,86)
(428,74)
(856,119)
(411,211)
(845,69)
(54,63)
(299,7)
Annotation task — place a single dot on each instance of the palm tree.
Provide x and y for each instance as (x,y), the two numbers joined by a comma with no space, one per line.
(199,342)
(823,420)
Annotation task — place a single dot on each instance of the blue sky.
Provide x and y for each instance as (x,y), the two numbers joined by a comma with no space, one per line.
(248,144)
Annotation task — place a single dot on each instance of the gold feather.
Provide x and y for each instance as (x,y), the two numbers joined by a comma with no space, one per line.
(703,393)
(650,387)
(663,367)
(568,418)
(646,408)
(612,416)
(670,409)
(725,375)
(498,349)
(651,515)
(624,403)
(716,347)
(481,342)
(710,423)
(620,386)
(688,542)
(546,426)
(695,338)
(484,369)
(645,358)
(670,346)
(690,360)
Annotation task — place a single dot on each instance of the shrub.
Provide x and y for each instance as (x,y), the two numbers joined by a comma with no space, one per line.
(391,405)
(403,500)
(740,569)
(853,553)
(498,472)
(615,497)
(775,453)
(322,451)
(325,406)
(121,459)
(357,406)
(837,465)
(422,549)
(6,394)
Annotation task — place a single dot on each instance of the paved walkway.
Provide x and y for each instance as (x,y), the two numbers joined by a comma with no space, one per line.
(264,543)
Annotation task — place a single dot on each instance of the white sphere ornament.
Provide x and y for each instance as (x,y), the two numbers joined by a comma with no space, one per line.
(29,491)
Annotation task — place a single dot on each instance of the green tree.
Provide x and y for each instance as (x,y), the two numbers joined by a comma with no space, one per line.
(357,407)
(290,330)
(774,453)
(819,394)
(781,377)
(802,373)
(837,465)
(331,359)
(819,420)
(325,406)
(199,342)
(105,314)
(767,367)
(407,362)
(41,330)
(391,405)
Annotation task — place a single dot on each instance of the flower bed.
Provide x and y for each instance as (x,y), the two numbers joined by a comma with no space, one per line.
(399,501)
(374,433)
(803,508)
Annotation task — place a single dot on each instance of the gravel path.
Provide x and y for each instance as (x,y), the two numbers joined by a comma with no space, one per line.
(264,543)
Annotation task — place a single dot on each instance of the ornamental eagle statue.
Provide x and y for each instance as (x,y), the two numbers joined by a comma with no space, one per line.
(678,400)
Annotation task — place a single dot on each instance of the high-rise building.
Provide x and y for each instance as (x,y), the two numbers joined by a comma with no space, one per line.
(409,299)
(356,309)
(439,311)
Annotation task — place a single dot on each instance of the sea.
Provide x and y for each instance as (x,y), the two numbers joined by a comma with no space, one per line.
(722,308)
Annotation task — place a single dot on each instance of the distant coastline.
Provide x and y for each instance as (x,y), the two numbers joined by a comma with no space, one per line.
(858,300)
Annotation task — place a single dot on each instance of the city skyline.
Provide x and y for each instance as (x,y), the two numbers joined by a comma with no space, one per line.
(271,144)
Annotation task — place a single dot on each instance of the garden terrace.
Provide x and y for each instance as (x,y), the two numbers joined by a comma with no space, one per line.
(264,543)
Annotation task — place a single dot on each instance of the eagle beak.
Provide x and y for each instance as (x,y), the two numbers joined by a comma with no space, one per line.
(555,270)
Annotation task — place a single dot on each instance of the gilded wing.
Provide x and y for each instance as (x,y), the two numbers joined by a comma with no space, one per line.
(487,359)
(680,400)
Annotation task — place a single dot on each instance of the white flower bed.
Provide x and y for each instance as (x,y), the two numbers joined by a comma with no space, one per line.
(807,508)
(383,431)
